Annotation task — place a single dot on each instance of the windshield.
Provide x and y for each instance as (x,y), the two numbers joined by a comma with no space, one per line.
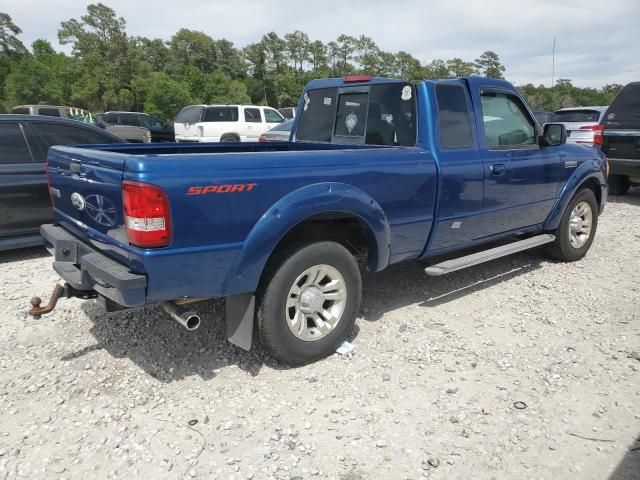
(380,114)
(283,127)
(576,116)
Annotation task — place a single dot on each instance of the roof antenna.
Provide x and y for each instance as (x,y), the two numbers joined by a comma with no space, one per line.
(553,72)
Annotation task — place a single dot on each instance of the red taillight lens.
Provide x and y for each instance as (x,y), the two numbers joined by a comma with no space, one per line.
(598,131)
(46,172)
(357,78)
(262,139)
(146,215)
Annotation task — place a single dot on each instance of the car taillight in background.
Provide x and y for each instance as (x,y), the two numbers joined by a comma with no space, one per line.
(597,130)
(262,138)
(147,215)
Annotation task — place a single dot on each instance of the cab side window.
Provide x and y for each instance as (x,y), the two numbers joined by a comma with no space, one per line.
(507,124)
(252,115)
(271,116)
(13,144)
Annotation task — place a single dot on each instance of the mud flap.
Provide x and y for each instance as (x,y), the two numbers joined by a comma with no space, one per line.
(240,313)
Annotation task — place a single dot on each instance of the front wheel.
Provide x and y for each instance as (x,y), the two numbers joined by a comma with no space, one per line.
(577,228)
(308,302)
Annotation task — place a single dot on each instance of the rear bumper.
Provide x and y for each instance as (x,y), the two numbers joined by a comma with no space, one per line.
(624,166)
(84,268)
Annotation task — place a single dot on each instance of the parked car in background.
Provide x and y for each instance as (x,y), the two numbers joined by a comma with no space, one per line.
(72,113)
(224,123)
(581,123)
(160,131)
(621,139)
(542,116)
(130,133)
(24,198)
(279,133)
(288,112)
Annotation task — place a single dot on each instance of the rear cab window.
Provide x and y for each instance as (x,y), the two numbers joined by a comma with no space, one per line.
(376,114)
(220,114)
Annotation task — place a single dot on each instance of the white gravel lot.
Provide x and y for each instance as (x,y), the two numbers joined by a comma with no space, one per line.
(429,390)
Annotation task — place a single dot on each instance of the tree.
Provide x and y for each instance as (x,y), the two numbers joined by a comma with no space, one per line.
(297,46)
(488,65)
(165,97)
(318,56)
(458,68)
(10,44)
(436,69)
(409,67)
(189,47)
(344,48)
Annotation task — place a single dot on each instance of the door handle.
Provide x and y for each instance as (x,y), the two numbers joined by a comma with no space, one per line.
(498,169)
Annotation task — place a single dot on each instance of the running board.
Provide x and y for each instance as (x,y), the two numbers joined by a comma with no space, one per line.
(487,255)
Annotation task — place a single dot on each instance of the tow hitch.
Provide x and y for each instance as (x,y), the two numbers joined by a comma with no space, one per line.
(60,291)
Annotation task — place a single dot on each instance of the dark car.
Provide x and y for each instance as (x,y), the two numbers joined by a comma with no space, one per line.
(160,131)
(24,198)
(621,139)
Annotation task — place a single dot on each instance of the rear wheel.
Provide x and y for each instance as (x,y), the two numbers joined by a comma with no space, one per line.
(618,184)
(230,138)
(577,228)
(308,302)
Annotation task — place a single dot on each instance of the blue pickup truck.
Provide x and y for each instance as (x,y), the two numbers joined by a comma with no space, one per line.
(378,171)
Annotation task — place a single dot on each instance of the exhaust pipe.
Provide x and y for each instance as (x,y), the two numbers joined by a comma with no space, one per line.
(189,319)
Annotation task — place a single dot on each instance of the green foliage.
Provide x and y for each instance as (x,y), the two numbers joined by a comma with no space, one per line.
(108,69)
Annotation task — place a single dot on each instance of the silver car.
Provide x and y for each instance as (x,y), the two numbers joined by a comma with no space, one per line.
(279,133)
(579,122)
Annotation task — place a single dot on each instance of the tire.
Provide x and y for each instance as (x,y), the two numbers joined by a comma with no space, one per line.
(618,184)
(569,248)
(285,313)
(229,138)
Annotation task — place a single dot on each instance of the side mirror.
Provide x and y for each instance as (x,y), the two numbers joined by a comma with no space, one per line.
(553,134)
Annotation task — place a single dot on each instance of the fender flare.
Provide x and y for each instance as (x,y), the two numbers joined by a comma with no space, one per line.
(293,209)
(583,173)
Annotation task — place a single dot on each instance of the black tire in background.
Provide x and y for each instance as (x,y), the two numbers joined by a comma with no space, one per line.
(272,325)
(618,184)
(562,249)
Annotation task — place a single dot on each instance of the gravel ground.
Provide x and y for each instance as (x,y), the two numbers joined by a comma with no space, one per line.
(430,389)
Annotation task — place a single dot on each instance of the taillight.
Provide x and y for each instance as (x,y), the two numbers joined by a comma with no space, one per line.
(262,138)
(46,172)
(146,214)
(357,78)
(598,131)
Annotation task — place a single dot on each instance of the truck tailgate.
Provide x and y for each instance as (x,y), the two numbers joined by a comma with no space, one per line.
(87,195)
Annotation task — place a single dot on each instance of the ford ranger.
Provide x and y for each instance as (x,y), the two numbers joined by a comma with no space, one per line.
(377,171)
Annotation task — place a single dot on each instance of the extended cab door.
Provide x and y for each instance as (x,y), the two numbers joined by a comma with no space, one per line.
(24,199)
(520,178)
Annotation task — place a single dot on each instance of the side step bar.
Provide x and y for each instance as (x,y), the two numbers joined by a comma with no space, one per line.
(487,255)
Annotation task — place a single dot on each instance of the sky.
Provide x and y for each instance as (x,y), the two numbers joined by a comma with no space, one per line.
(597,42)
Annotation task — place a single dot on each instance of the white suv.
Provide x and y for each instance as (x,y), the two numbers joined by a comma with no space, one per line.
(224,123)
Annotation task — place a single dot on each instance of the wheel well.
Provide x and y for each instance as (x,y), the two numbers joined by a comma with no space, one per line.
(229,135)
(593,185)
(345,228)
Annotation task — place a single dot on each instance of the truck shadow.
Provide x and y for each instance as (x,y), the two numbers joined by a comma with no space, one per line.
(629,467)
(168,352)
(632,197)
(22,254)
